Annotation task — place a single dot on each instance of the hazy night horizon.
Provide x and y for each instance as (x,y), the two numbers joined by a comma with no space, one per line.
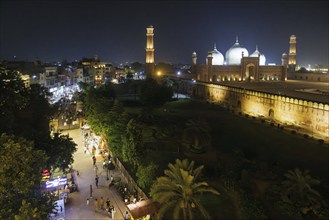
(115,31)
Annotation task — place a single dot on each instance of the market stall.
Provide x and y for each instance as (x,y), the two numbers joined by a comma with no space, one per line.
(57,187)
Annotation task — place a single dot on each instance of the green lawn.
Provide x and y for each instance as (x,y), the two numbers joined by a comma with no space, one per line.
(258,141)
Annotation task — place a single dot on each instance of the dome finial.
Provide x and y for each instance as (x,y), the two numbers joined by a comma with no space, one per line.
(237,39)
(215,46)
(256,47)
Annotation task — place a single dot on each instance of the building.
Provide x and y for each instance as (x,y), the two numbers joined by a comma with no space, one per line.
(52,80)
(96,72)
(238,66)
(306,110)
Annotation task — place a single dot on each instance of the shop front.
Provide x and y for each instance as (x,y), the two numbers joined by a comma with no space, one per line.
(58,188)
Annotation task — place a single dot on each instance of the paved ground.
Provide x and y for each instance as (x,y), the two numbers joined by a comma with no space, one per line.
(77,208)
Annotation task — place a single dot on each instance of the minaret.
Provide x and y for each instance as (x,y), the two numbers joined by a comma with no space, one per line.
(193,67)
(284,63)
(207,78)
(194,57)
(284,60)
(149,64)
(292,53)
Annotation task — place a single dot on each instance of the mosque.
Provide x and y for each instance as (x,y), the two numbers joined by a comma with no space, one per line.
(238,65)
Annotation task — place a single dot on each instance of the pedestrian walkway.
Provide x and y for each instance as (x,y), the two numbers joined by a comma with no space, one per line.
(77,208)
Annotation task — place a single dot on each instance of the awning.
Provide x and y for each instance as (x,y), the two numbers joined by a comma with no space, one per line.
(142,208)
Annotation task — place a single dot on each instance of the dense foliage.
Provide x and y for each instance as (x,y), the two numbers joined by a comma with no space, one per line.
(154,94)
(20,176)
(24,115)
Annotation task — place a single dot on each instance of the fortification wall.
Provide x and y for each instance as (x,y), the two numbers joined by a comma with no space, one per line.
(318,77)
(304,114)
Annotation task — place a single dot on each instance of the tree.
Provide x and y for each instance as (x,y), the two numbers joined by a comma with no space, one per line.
(20,176)
(179,191)
(146,175)
(136,67)
(167,82)
(133,146)
(165,68)
(297,190)
(61,151)
(25,112)
(196,135)
(28,212)
(14,99)
(116,128)
(153,94)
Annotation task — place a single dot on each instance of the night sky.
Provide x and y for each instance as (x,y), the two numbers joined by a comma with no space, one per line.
(57,30)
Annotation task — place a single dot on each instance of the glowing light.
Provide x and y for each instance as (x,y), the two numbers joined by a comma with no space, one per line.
(178,73)
(159,73)
(56,182)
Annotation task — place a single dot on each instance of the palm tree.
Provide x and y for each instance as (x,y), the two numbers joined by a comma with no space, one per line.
(196,135)
(297,189)
(179,191)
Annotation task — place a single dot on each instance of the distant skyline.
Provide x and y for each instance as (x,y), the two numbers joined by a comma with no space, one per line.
(116,30)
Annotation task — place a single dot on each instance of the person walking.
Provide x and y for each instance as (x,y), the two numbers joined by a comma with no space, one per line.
(87,202)
(101,203)
(107,203)
(94,160)
(96,205)
(96,181)
(126,216)
(113,212)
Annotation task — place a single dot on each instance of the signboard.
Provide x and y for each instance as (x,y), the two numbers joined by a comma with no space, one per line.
(62,181)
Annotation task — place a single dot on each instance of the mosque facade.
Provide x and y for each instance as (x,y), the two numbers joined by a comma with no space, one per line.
(238,65)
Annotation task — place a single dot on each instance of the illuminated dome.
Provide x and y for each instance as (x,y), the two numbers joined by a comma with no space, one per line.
(234,54)
(262,58)
(217,57)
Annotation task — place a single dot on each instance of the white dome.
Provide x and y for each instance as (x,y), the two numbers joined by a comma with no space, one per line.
(217,57)
(234,54)
(262,58)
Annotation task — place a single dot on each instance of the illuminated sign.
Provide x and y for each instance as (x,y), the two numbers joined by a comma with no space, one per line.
(56,182)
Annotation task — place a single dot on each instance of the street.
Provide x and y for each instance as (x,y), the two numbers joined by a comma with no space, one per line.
(77,207)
